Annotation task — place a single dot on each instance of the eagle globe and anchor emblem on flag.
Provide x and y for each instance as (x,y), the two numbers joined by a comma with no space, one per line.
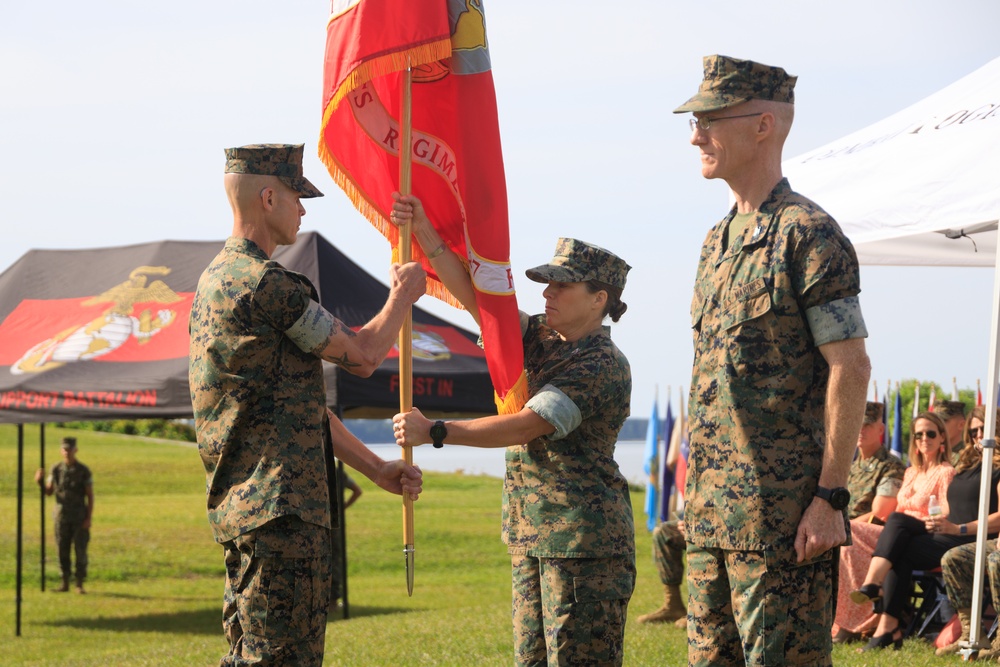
(110,330)
(470,52)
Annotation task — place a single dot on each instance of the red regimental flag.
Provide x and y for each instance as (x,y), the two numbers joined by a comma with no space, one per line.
(457,161)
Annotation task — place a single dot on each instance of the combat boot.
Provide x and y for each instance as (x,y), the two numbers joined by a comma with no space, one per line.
(671,610)
(64,587)
(79,586)
(965,618)
(991,653)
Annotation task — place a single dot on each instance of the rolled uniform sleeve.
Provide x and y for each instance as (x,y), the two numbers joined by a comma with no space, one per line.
(837,320)
(313,329)
(558,409)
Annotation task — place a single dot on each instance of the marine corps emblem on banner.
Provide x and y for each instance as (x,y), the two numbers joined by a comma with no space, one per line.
(112,329)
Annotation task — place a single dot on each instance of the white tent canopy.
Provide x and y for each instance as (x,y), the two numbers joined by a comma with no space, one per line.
(921,187)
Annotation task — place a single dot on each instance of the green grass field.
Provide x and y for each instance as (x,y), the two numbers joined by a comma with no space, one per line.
(155,587)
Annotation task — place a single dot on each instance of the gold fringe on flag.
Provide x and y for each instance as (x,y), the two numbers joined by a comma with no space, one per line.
(387,64)
(374,215)
(515,398)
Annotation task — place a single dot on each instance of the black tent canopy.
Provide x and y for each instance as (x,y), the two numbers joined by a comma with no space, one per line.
(102,334)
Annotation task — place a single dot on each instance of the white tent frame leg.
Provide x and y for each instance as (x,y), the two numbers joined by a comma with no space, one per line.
(986,477)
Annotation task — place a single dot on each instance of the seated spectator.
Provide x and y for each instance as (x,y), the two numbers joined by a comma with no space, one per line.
(875,475)
(929,475)
(908,543)
(952,413)
(958,565)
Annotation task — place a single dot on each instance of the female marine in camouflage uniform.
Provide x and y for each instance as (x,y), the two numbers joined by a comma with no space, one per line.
(567,517)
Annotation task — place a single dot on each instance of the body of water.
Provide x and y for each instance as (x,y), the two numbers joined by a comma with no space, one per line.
(480,461)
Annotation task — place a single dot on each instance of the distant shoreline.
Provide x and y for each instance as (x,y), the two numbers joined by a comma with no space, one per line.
(480,461)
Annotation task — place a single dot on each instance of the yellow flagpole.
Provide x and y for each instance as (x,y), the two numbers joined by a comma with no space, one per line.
(406,332)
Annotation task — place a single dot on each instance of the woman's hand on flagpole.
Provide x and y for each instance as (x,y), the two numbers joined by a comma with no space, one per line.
(451,270)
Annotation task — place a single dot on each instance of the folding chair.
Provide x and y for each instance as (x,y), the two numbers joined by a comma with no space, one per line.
(929,601)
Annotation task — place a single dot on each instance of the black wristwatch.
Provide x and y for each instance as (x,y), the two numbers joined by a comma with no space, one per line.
(839,498)
(438,433)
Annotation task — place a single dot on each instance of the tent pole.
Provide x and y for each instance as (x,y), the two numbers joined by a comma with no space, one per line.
(342,529)
(343,526)
(20,527)
(41,447)
(985,482)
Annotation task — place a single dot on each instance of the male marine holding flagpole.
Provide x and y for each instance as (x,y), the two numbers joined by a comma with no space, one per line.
(777,390)
(259,337)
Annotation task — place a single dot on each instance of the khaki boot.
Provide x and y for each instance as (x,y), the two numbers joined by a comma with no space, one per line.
(965,618)
(79,586)
(991,653)
(671,610)
(64,587)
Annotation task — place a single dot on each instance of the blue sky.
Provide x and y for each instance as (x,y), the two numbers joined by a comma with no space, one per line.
(114,116)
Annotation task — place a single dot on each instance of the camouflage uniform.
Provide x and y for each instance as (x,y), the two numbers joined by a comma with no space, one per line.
(881,474)
(70,488)
(259,406)
(567,514)
(958,566)
(668,552)
(763,305)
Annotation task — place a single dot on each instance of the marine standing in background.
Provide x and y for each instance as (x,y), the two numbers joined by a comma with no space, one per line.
(258,340)
(668,553)
(777,390)
(73,486)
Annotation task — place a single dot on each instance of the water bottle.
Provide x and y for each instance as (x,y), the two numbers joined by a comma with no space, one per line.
(933,509)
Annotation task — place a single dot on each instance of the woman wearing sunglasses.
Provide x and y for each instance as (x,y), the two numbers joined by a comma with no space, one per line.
(908,543)
(959,565)
(929,474)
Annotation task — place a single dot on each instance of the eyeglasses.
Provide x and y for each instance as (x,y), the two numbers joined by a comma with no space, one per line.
(930,435)
(705,123)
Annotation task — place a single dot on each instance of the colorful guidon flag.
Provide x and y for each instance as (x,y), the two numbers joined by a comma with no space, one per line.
(457,161)
(667,476)
(651,467)
(896,446)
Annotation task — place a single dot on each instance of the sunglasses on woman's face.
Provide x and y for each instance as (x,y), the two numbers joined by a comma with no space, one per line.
(977,430)
(930,435)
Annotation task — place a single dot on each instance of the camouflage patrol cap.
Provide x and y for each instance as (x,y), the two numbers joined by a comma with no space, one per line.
(577,262)
(281,160)
(949,409)
(873,412)
(730,81)
(68,443)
